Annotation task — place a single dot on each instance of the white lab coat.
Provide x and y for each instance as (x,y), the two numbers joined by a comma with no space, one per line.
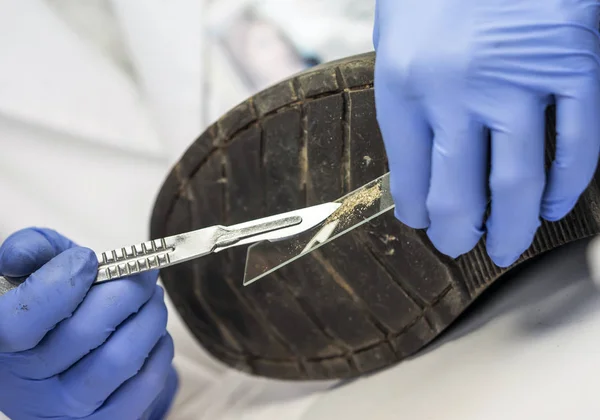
(99,98)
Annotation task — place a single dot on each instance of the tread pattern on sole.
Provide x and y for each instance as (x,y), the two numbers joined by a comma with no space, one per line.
(369,299)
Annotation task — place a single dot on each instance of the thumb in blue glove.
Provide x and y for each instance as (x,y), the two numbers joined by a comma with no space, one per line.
(447,74)
(68,350)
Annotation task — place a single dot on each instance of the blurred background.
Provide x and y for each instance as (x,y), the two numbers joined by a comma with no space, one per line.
(99,98)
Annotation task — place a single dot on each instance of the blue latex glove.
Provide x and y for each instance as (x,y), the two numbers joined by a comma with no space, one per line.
(448,73)
(70,351)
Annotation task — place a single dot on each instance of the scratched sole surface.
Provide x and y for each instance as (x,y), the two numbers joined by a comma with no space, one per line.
(365,301)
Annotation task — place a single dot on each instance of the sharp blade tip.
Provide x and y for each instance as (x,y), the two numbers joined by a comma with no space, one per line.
(331,207)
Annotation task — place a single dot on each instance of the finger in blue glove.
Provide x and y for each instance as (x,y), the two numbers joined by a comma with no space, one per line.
(449,74)
(71,350)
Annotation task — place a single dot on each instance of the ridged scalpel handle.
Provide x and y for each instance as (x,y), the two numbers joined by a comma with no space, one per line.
(117,263)
(133,259)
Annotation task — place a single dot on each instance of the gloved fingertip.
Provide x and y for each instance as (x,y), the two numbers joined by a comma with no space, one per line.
(505,258)
(448,251)
(58,241)
(504,249)
(24,252)
(554,210)
(84,260)
(416,220)
(454,246)
(504,261)
(74,267)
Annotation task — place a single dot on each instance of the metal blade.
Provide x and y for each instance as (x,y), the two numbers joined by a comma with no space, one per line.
(307,218)
(197,243)
(355,209)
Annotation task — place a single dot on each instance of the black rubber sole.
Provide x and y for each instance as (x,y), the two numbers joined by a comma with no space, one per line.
(365,301)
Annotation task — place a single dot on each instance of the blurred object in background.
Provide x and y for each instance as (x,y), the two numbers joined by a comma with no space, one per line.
(259,52)
(252,44)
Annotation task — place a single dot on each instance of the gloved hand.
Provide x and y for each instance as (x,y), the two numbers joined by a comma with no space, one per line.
(70,351)
(449,73)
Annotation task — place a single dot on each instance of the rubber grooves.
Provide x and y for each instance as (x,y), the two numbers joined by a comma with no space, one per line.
(364,302)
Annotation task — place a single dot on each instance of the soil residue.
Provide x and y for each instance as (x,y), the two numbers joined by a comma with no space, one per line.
(355,205)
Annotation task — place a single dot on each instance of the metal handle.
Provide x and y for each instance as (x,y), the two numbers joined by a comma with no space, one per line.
(115,263)
(134,259)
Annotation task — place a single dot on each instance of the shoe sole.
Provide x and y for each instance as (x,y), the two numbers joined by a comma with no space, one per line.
(363,302)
